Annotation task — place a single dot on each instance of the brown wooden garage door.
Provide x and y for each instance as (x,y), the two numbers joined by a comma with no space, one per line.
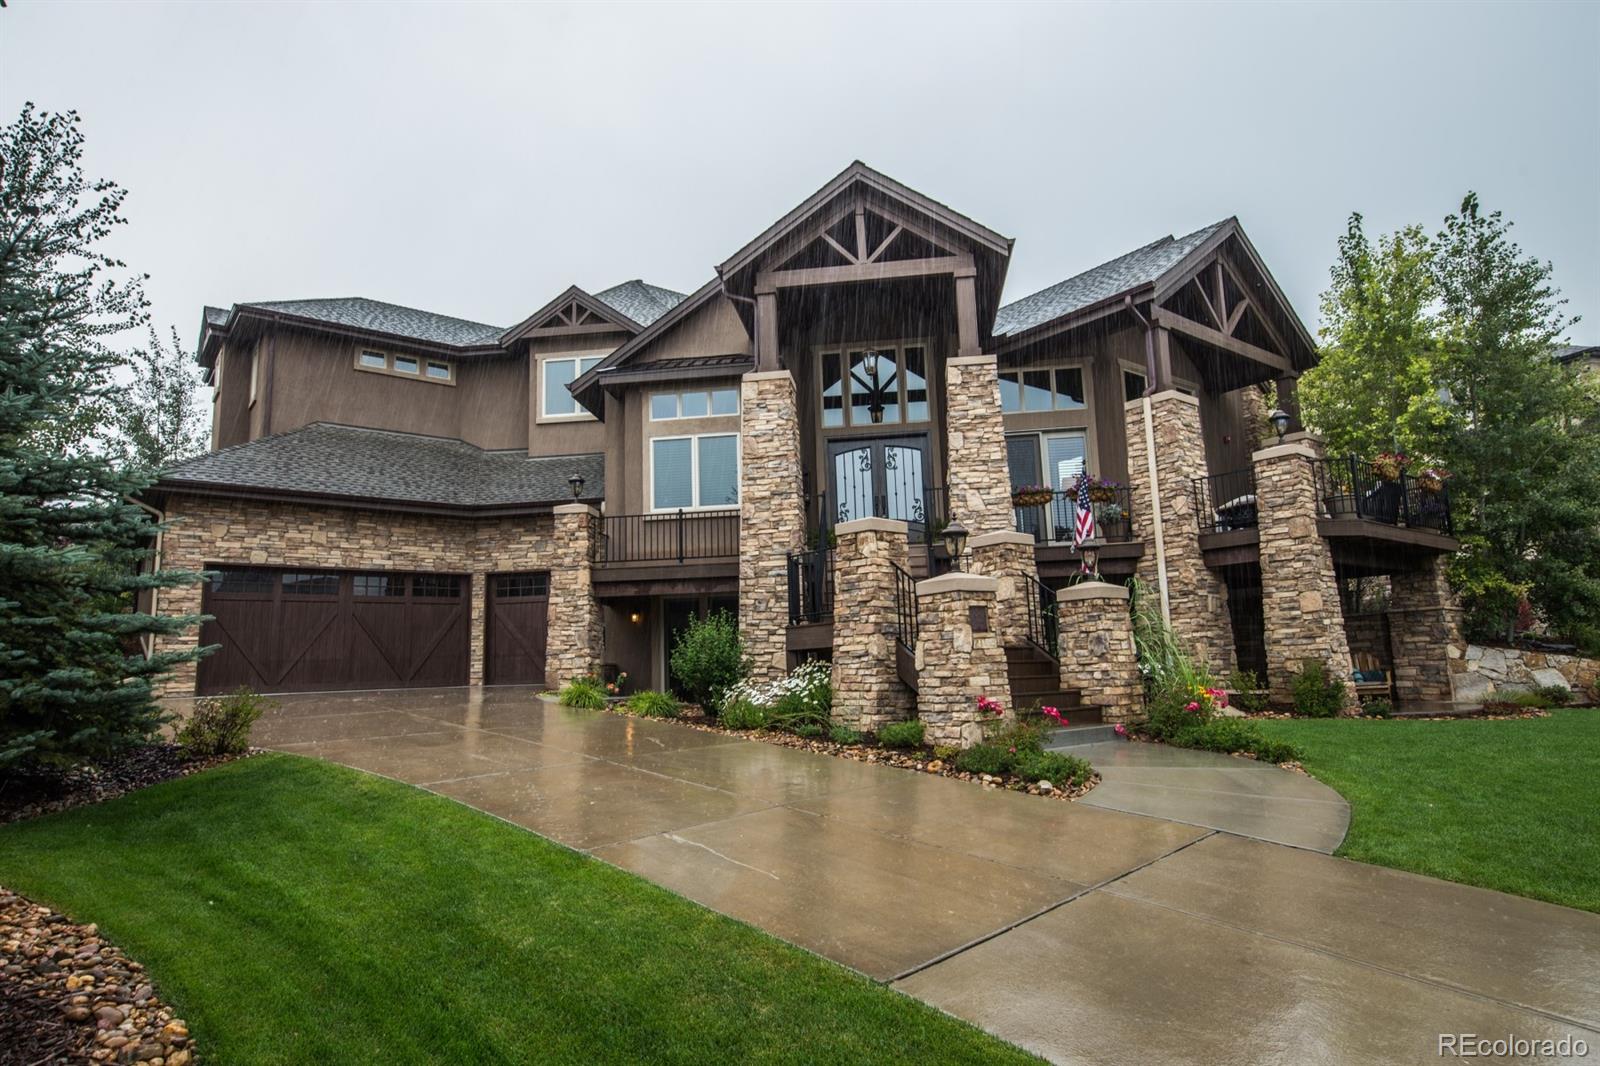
(313,630)
(519,605)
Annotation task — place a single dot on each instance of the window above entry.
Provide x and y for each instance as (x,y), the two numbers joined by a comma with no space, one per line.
(693,403)
(437,371)
(556,401)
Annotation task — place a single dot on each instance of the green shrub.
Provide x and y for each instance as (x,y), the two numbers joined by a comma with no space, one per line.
(653,704)
(1227,735)
(1062,771)
(708,659)
(742,714)
(985,758)
(1554,695)
(807,729)
(804,697)
(220,725)
(901,734)
(1316,695)
(945,751)
(1377,708)
(843,734)
(1245,691)
(584,693)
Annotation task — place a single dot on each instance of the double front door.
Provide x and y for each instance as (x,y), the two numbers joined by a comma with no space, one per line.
(882,477)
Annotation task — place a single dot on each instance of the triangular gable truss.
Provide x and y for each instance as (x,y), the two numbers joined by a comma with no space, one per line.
(573,313)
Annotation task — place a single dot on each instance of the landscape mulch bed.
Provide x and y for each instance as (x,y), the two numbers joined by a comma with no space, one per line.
(49,789)
(919,760)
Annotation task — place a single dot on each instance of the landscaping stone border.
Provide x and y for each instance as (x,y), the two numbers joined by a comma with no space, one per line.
(80,786)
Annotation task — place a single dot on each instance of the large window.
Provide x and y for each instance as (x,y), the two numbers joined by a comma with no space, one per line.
(1060,389)
(901,394)
(696,403)
(690,472)
(555,401)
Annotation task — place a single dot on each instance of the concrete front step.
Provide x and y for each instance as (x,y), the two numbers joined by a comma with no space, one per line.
(1077,736)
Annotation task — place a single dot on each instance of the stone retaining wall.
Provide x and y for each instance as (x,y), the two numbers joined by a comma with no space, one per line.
(1479,672)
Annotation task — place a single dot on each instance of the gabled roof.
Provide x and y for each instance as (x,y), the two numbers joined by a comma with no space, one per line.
(587,387)
(1126,273)
(640,301)
(358,464)
(358,312)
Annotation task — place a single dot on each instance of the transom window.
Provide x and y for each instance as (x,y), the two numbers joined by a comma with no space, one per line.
(437,586)
(520,586)
(311,584)
(698,403)
(555,401)
(407,366)
(1060,389)
(374,586)
(240,582)
(899,392)
(694,472)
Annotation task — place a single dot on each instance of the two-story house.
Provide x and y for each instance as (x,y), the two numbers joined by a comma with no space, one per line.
(399,498)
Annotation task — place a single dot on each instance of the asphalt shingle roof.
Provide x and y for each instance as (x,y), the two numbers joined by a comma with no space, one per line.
(640,301)
(1139,267)
(335,460)
(362,313)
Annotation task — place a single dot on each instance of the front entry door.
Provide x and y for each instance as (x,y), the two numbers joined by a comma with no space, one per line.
(884,477)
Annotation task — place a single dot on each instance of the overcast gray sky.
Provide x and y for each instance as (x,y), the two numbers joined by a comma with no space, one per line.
(476,159)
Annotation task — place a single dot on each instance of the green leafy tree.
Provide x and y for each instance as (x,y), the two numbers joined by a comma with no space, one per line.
(1372,390)
(159,418)
(73,681)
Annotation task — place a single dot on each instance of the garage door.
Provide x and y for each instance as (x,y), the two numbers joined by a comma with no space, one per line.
(314,630)
(519,605)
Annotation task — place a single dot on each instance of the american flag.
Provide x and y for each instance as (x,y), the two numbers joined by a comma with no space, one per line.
(1084,530)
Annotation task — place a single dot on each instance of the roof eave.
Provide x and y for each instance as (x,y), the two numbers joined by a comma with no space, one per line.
(166,487)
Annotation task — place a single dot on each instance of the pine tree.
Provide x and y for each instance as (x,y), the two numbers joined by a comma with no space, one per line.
(73,682)
(159,421)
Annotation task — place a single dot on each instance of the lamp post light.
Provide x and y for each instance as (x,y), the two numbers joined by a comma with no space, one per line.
(869,363)
(1280,422)
(576,481)
(1090,550)
(955,542)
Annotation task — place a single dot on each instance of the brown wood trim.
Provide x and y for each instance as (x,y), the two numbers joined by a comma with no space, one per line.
(1360,528)
(810,636)
(179,488)
(611,573)
(1206,335)
(677,586)
(1236,547)
(905,665)
(771,280)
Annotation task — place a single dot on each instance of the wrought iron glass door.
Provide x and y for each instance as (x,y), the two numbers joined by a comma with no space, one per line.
(886,477)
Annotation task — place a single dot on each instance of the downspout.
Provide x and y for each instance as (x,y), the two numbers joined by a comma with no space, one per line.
(1150,461)
(148,640)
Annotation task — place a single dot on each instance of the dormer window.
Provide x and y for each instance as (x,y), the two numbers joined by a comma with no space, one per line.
(437,371)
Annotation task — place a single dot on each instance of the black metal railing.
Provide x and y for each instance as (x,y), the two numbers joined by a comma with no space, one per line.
(1355,488)
(905,608)
(669,536)
(811,586)
(1225,502)
(925,517)
(1054,521)
(1044,619)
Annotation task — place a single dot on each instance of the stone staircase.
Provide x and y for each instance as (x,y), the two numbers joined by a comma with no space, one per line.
(1036,681)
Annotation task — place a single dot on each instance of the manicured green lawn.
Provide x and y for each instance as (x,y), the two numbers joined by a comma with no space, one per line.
(300,912)
(1512,804)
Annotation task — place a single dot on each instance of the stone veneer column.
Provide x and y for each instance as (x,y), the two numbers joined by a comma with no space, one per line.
(1009,559)
(867,690)
(771,517)
(1097,656)
(1196,598)
(1424,623)
(956,661)
(478,620)
(574,635)
(978,477)
(1299,593)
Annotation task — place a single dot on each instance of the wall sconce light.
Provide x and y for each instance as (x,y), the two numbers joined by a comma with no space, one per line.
(636,618)
(576,481)
(1090,550)
(955,542)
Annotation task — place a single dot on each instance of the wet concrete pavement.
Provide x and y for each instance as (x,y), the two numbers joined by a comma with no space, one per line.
(1085,933)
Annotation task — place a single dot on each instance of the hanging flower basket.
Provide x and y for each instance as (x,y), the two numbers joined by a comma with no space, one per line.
(1432,479)
(1101,490)
(1032,496)
(1388,465)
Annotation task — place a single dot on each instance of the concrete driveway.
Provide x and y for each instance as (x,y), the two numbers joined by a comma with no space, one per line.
(1083,933)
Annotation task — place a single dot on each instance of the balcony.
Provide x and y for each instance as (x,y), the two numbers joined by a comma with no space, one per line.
(668,553)
(1354,488)
(1054,521)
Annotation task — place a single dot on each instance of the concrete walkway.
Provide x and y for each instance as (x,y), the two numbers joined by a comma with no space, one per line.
(1083,933)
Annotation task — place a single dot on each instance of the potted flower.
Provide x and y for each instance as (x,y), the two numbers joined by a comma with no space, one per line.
(1389,465)
(1432,479)
(1101,490)
(1032,495)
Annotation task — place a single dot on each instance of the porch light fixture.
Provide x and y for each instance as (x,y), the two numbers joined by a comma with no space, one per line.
(1090,550)
(576,481)
(873,387)
(1280,422)
(955,542)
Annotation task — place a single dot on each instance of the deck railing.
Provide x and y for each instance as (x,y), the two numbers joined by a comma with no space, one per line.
(1055,521)
(1044,619)
(669,536)
(905,608)
(1225,502)
(1355,488)
(810,586)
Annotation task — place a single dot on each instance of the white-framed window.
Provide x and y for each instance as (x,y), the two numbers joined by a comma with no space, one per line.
(693,403)
(698,472)
(1055,389)
(555,401)
(1134,382)
(438,371)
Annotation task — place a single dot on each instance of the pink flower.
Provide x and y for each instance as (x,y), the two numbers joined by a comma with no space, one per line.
(1192,707)
(1121,730)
